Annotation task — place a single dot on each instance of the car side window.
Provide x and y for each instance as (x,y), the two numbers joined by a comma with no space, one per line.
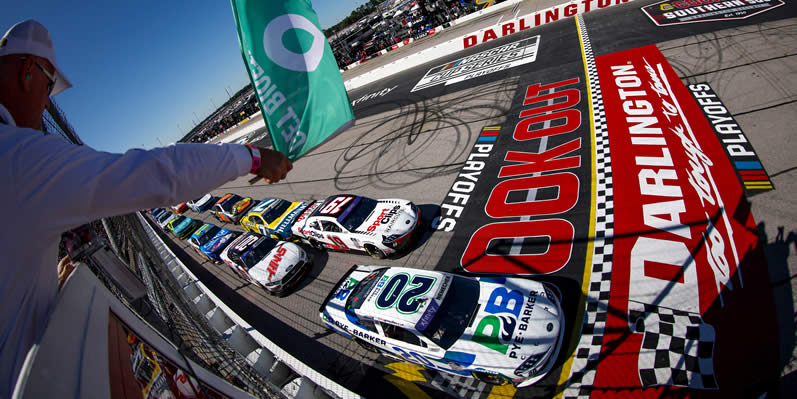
(330,226)
(368,324)
(257,220)
(401,334)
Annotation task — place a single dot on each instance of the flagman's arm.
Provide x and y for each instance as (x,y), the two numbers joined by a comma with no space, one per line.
(68,185)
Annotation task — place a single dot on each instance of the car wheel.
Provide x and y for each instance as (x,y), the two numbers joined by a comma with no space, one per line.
(366,346)
(491,379)
(317,245)
(375,252)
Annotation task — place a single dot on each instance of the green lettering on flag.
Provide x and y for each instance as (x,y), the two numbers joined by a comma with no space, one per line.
(294,73)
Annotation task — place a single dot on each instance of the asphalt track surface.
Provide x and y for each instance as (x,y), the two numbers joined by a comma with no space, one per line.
(414,145)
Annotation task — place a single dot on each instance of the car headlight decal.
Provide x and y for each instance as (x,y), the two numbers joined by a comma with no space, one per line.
(530,363)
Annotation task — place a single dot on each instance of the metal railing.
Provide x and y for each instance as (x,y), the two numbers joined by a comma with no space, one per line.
(167,310)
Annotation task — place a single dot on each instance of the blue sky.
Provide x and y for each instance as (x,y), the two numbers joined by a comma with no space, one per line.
(140,69)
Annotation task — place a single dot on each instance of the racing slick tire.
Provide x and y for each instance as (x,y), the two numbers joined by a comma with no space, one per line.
(375,252)
(366,346)
(491,379)
(315,244)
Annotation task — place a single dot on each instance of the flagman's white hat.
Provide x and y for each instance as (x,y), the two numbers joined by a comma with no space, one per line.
(31,37)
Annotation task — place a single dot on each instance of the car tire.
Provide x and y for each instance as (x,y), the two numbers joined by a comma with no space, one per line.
(317,245)
(375,252)
(491,379)
(366,346)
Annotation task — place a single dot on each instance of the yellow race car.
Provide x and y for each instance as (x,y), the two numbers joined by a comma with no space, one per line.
(274,217)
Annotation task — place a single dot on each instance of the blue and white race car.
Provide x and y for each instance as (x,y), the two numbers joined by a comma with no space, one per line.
(211,250)
(497,329)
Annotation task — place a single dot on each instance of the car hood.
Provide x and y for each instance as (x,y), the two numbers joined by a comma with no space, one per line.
(505,332)
(289,217)
(301,221)
(183,225)
(390,217)
(203,201)
(241,205)
(215,243)
(277,263)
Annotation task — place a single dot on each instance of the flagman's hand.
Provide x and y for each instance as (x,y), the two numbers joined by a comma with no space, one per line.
(65,268)
(274,166)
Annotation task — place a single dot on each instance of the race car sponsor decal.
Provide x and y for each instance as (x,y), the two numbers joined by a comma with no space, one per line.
(509,312)
(275,261)
(685,248)
(538,18)
(745,161)
(402,292)
(460,192)
(688,11)
(498,59)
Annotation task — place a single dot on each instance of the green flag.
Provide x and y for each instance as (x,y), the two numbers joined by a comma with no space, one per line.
(294,73)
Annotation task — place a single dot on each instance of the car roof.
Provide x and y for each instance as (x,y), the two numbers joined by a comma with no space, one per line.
(339,210)
(224,198)
(370,310)
(261,207)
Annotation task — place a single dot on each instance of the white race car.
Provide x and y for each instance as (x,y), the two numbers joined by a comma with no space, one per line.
(202,204)
(164,219)
(271,264)
(349,222)
(496,329)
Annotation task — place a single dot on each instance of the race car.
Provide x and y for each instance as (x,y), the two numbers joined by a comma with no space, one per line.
(496,329)
(180,208)
(348,222)
(182,227)
(212,249)
(201,204)
(274,265)
(231,207)
(156,213)
(165,218)
(274,217)
(201,236)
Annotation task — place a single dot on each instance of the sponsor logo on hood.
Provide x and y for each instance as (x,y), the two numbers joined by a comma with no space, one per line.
(275,261)
(386,217)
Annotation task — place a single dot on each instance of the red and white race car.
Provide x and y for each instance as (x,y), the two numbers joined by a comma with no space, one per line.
(349,222)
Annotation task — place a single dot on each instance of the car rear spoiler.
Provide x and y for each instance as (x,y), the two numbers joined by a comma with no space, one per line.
(335,288)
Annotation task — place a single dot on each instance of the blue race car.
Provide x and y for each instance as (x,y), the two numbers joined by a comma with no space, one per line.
(212,249)
(202,235)
(156,212)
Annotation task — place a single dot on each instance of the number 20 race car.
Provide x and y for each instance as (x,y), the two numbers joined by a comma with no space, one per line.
(347,222)
(495,329)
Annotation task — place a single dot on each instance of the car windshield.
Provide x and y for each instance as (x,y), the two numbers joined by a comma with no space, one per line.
(207,235)
(361,290)
(357,216)
(257,252)
(164,216)
(227,205)
(453,316)
(176,222)
(275,211)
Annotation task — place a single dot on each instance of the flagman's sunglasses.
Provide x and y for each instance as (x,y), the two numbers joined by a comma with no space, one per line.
(50,85)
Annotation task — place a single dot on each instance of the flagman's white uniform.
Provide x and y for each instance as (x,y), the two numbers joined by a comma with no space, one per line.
(50,186)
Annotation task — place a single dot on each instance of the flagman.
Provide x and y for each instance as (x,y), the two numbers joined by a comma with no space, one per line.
(50,186)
